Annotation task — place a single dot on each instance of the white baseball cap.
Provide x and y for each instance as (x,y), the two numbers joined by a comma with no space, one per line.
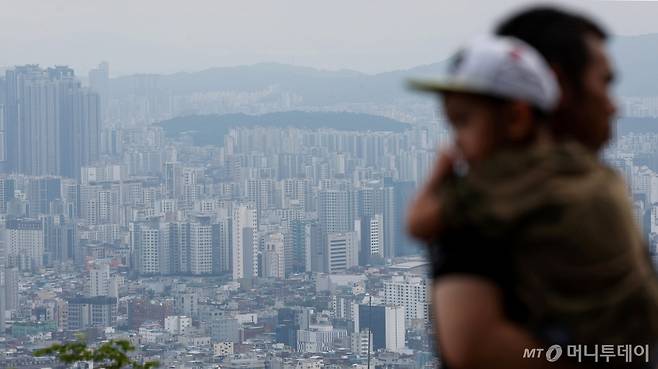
(503,67)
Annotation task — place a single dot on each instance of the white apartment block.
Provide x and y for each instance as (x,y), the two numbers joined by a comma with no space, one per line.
(412,292)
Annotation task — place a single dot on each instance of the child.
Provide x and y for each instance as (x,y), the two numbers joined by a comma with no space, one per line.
(543,220)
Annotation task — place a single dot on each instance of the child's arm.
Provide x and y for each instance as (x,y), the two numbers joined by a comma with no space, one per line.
(474,331)
(423,221)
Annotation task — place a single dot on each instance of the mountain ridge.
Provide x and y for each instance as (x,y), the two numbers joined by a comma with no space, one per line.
(636,57)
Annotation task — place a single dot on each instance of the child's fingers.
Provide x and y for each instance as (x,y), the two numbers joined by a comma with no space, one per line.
(423,216)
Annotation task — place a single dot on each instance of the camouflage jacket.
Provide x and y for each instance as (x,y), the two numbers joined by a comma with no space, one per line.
(566,220)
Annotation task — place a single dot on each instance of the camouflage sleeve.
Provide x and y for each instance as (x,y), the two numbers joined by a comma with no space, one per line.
(450,198)
(459,204)
(463,247)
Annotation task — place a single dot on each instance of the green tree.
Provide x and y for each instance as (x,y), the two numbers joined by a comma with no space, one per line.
(109,355)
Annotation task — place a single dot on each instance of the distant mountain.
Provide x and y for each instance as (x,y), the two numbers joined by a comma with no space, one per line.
(210,129)
(635,56)
(309,82)
(316,87)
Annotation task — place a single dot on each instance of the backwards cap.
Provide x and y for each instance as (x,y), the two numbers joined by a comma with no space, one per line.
(503,67)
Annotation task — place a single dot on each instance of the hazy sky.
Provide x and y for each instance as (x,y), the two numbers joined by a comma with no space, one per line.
(163,36)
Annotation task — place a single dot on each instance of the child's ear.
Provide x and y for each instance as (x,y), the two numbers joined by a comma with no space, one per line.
(520,123)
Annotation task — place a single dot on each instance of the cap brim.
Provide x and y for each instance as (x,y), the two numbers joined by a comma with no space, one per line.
(442,85)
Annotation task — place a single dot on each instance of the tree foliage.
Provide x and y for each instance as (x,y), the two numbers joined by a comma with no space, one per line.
(109,355)
(211,129)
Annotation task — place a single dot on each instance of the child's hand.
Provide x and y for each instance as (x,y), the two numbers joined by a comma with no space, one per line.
(423,220)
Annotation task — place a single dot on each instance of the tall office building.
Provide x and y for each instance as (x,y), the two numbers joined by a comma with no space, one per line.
(376,236)
(59,239)
(412,292)
(81,134)
(41,192)
(146,242)
(7,186)
(273,256)
(24,243)
(222,244)
(261,193)
(11,288)
(244,242)
(191,190)
(172,180)
(100,203)
(101,283)
(342,252)
(386,324)
(87,312)
(317,241)
(177,251)
(372,238)
(390,209)
(198,246)
(43,105)
(297,192)
(99,280)
(3,135)
(52,124)
(300,238)
(2,299)
(99,82)
(395,209)
(336,210)
(369,200)
(111,140)
(15,81)
(201,243)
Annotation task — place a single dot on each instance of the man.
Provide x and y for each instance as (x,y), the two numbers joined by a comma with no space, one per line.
(473,320)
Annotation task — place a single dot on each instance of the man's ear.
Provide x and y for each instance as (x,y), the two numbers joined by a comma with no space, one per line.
(519,121)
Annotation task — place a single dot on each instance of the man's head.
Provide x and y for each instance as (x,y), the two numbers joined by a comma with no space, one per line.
(574,46)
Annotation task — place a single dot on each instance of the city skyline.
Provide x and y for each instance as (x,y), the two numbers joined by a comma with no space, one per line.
(263,236)
(274,237)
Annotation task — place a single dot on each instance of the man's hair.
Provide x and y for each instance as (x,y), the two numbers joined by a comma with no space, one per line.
(558,35)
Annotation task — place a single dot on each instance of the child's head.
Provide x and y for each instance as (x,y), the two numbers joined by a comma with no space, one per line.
(497,89)
(482,124)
